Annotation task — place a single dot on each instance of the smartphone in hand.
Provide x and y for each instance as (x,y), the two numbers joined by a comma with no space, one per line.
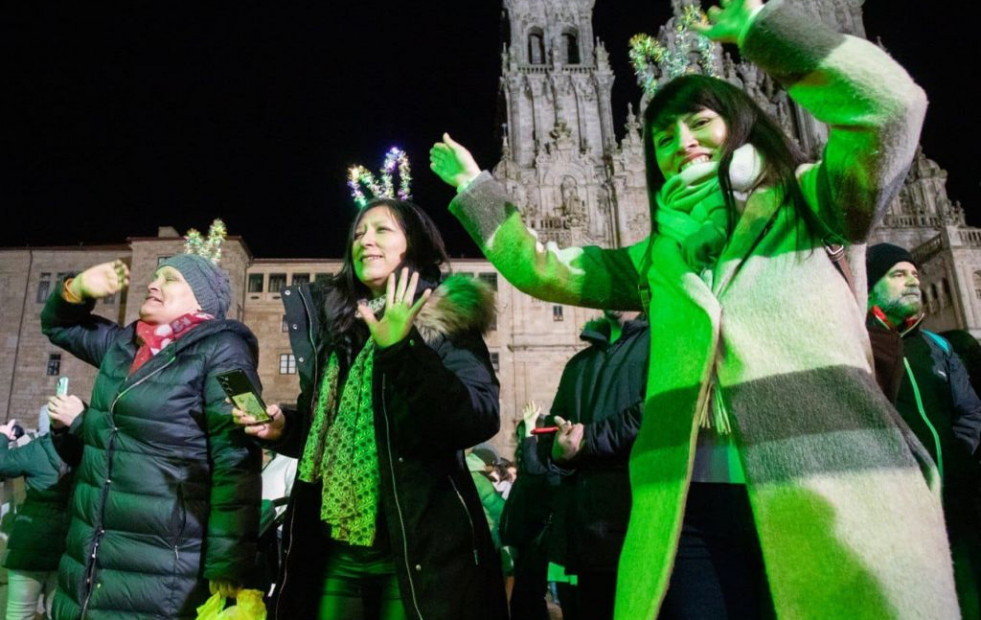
(240,390)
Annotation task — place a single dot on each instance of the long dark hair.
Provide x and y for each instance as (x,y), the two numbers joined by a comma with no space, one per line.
(746,122)
(425,253)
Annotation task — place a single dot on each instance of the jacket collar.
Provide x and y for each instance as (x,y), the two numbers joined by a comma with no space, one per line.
(908,326)
(200,332)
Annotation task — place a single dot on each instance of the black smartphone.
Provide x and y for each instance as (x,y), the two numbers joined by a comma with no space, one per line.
(240,390)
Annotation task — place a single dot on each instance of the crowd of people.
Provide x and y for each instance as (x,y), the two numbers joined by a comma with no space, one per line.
(758,427)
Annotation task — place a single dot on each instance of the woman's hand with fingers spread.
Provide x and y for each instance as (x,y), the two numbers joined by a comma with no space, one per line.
(400,312)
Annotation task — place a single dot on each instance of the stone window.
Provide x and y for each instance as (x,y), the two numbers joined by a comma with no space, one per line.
(323,277)
(286,326)
(301,278)
(496,361)
(977,284)
(570,47)
(287,364)
(54,365)
(490,279)
(43,288)
(255,282)
(557,313)
(277,282)
(536,47)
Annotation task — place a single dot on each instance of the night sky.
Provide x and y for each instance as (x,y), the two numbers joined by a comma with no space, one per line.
(119,120)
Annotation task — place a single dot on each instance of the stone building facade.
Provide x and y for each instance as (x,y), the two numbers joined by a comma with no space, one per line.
(30,365)
(578,184)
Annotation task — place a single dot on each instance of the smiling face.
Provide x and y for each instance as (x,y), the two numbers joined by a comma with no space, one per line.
(898,292)
(378,248)
(168,297)
(692,138)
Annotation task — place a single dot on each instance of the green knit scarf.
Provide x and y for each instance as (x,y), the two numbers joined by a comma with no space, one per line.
(341,451)
(691,208)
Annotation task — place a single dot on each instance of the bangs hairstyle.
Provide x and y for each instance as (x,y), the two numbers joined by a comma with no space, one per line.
(425,253)
(746,123)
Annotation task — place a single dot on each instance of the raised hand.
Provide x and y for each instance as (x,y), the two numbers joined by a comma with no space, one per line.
(62,410)
(727,20)
(101,280)
(529,415)
(452,162)
(269,431)
(568,440)
(399,309)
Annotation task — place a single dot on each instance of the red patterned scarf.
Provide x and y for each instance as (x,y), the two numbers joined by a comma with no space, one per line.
(153,338)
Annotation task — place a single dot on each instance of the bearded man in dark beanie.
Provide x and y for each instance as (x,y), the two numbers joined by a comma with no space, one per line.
(926,381)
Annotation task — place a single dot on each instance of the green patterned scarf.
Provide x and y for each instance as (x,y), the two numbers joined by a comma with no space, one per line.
(341,451)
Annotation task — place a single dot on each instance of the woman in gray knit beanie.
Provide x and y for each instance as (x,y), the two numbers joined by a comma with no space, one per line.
(179,516)
(208,281)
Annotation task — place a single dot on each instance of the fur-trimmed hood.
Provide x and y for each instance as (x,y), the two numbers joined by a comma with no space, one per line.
(460,303)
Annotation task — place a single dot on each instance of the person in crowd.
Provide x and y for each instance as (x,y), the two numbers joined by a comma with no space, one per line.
(770,474)
(920,373)
(396,381)
(37,537)
(278,473)
(490,500)
(968,349)
(167,492)
(525,518)
(598,409)
(502,477)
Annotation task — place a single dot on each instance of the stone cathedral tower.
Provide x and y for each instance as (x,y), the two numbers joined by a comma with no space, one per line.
(560,158)
(562,163)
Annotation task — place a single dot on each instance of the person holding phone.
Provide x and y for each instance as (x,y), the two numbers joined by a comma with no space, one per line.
(167,493)
(37,536)
(384,521)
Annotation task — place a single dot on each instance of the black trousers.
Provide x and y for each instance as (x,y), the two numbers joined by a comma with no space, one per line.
(360,584)
(718,571)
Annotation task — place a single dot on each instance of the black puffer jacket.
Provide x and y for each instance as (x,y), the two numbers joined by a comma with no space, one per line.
(168,489)
(603,388)
(37,538)
(434,395)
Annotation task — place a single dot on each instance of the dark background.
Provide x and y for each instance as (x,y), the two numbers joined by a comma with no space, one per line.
(120,119)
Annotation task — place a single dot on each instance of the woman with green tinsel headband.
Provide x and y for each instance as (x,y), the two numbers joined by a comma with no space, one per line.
(396,381)
(770,475)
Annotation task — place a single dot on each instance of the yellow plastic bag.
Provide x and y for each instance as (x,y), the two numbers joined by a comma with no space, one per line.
(248,606)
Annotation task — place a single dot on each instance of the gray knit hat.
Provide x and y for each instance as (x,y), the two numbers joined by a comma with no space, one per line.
(208,281)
